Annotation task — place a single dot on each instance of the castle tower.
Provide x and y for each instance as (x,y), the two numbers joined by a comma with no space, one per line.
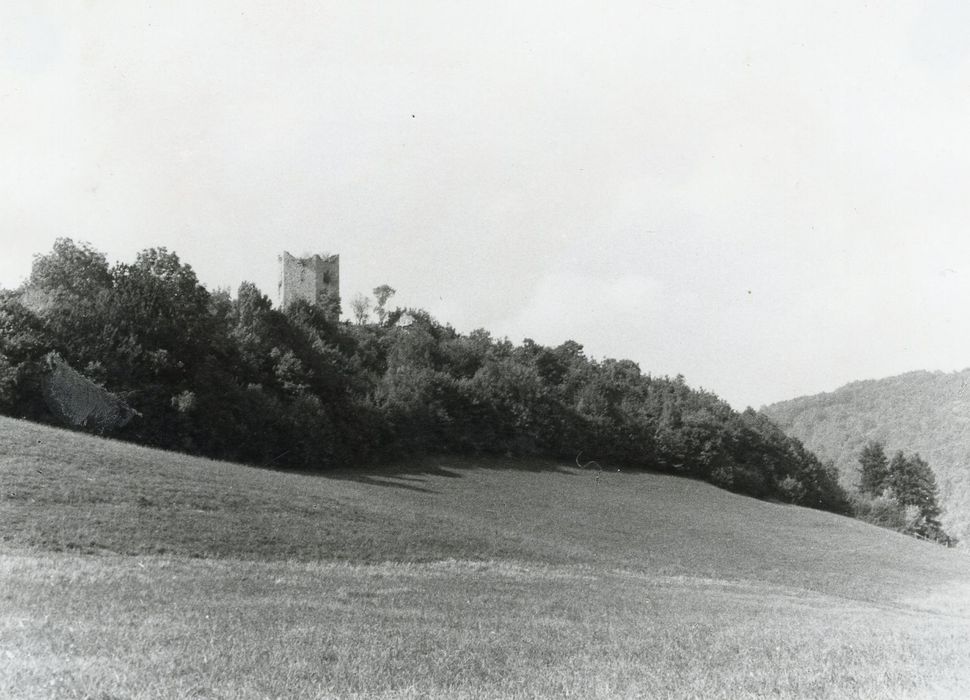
(315,279)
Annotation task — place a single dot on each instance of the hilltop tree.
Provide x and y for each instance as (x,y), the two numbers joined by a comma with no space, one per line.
(67,291)
(360,307)
(70,269)
(873,469)
(382,294)
(157,320)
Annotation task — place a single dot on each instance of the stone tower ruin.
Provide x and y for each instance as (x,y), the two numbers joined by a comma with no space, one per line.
(315,279)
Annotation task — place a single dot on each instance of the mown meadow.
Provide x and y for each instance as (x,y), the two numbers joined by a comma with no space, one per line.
(129,572)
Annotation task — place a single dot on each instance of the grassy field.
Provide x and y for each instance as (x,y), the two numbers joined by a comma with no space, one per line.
(131,573)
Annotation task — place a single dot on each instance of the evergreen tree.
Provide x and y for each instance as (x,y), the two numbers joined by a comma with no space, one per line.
(874,468)
(913,484)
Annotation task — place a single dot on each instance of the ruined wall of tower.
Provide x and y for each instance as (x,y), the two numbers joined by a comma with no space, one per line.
(312,278)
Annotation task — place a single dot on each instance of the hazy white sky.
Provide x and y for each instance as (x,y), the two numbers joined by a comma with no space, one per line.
(772,198)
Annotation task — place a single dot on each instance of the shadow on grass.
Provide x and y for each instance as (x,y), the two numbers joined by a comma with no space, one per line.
(411,473)
(385,481)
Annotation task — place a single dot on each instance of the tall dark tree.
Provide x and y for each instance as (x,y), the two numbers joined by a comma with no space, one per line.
(913,483)
(873,468)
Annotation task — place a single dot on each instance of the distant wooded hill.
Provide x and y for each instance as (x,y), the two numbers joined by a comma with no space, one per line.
(925,412)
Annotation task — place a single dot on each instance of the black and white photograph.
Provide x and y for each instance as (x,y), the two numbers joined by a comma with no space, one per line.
(440,349)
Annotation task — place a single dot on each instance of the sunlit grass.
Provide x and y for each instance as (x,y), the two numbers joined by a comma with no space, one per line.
(126,572)
(150,626)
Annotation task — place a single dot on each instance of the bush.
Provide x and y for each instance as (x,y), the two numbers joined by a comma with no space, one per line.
(882,510)
(791,490)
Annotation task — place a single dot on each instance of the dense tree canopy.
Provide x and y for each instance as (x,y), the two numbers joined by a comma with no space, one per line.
(238,379)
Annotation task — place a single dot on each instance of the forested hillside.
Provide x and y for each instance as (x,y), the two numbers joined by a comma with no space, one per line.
(232,377)
(924,412)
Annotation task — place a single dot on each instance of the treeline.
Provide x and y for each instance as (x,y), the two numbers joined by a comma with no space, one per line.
(234,378)
(922,412)
(899,493)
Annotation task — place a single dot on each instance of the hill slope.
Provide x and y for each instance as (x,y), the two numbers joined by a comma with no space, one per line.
(448,578)
(925,412)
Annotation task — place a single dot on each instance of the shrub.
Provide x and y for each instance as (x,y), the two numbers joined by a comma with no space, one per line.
(882,510)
